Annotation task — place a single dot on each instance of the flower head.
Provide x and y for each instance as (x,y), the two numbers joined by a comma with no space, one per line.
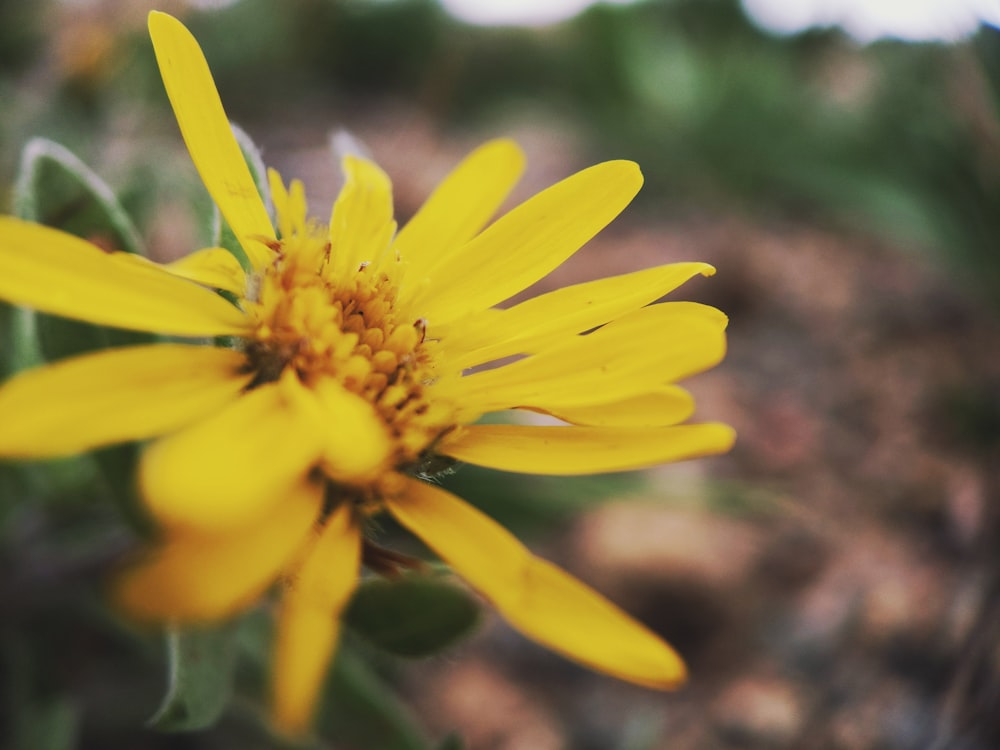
(362,354)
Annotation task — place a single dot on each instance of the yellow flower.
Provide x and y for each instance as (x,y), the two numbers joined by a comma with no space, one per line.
(362,354)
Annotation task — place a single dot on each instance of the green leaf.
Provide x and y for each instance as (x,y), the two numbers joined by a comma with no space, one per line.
(19,347)
(201,664)
(55,188)
(451,742)
(413,616)
(222,235)
(361,710)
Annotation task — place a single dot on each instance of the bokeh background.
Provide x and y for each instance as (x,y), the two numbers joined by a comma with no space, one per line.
(833,582)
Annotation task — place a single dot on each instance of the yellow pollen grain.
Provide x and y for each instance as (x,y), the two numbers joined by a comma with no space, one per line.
(374,337)
(384,362)
(356,371)
(344,345)
(393,396)
(403,339)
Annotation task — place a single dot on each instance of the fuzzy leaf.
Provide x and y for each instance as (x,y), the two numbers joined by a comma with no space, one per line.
(55,188)
(201,665)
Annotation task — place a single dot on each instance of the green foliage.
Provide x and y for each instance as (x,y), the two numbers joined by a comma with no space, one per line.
(55,188)
(412,616)
(201,666)
(360,709)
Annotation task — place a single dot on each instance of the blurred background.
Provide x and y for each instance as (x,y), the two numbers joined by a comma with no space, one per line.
(833,582)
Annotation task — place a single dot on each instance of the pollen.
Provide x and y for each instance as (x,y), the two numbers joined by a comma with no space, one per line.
(322,326)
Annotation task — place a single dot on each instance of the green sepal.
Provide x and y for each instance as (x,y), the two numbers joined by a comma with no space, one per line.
(413,616)
(222,234)
(201,664)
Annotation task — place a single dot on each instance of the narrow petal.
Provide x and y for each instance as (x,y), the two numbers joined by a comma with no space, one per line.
(197,577)
(538,598)
(529,242)
(289,205)
(562,451)
(528,327)
(215,267)
(627,357)
(361,224)
(234,467)
(309,619)
(357,445)
(667,405)
(114,396)
(206,131)
(460,206)
(279,196)
(58,273)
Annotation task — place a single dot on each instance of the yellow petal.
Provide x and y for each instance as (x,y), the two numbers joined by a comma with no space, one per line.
(528,327)
(526,244)
(309,619)
(206,131)
(195,577)
(664,406)
(629,356)
(113,396)
(289,205)
(215,267)
(61,274)
(536,597)
(583,450)
(460,206)
(361,224)
(357,444)
(235,466)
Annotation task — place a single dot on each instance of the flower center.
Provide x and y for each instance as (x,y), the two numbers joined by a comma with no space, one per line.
(349,329)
